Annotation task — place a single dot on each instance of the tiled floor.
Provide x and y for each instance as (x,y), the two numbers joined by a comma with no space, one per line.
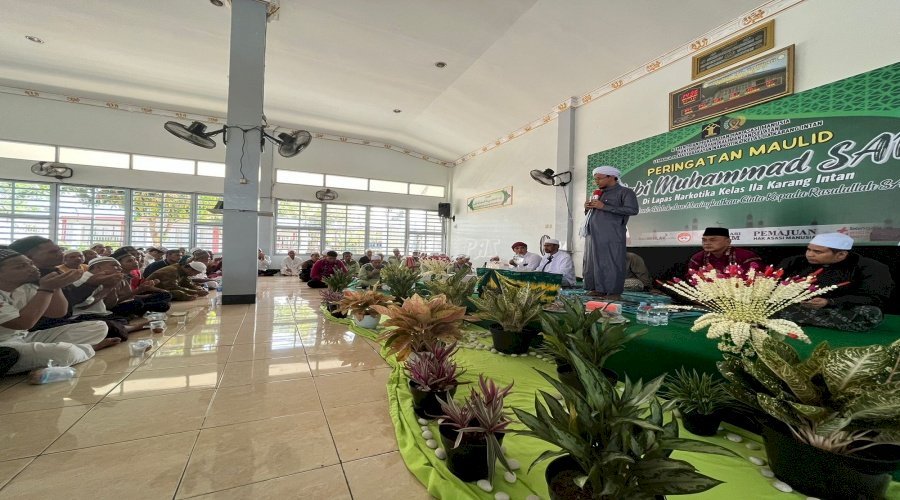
(255,402)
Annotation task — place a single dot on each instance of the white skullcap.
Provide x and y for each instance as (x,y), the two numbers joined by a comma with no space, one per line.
(99,260)
(377,256)
(551,242)
(197,266)
(608,170)
(837,241)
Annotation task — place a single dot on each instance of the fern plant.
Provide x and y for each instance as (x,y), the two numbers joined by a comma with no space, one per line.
(400,279)
(338,281)
(513,307)
(696,393)
(458,287)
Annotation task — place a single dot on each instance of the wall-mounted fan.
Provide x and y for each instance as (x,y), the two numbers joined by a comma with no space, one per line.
(219,208)
(326,195)
(52,169)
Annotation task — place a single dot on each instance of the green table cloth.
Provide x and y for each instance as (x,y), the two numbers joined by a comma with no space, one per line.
(549,283)
(742,478)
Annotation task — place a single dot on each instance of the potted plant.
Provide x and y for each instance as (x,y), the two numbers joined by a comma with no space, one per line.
(432,375)
(510,309)
(420,323)
(400,279)
(837,413)
(472,431)
(332,301)
(457,287)
(613,445)
(434,268)
(699,398)
(360,305)
(338,281)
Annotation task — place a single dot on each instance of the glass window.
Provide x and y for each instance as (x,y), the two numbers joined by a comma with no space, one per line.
(387,186)
(210,169)
(387,230)
(26,151)
(345,228)
(340,181)
(303,178)
(298,227)
(425,231)
(160,164)
(159,218)
(426,190)
(24,210)
(208,227)
(89,215)
(93,157)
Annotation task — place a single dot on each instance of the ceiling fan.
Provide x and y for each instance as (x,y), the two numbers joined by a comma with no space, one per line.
(549,178)
(52,169)
(289,144)
(326,195)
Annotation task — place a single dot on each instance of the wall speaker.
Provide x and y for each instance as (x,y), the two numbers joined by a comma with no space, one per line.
(444,210)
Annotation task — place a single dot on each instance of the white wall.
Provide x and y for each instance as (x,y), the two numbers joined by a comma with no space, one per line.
(491,232)
(834,39)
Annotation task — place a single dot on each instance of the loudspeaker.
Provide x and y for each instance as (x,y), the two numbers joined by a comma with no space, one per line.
(444,210)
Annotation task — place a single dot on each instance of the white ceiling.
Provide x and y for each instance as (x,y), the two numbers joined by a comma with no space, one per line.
(342,66)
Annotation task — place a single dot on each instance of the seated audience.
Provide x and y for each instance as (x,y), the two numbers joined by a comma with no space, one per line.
(351,265)
(397,258)
(557,262)
(718,252)
(366,257)
(262,264)
(25,297)
(637,277)
(203,279)
(370,274)
(99,249)
(171,257)
(135,299)
(176,279)
(89,255)
(855,306)
(306,267)
(523,260)
(324,268)
(72,260)
(153,254)
(290,265)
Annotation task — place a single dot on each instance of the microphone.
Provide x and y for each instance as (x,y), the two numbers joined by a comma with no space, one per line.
(596,195)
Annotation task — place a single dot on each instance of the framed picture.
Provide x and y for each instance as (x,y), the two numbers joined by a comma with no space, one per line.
(762,79)
(738,48)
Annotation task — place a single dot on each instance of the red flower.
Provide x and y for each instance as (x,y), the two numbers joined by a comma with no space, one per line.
(793,335)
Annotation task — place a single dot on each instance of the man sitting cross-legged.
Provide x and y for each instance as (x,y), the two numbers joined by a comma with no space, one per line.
(176,279)
(23,303)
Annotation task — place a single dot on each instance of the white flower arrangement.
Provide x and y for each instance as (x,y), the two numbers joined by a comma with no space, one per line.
(742,304)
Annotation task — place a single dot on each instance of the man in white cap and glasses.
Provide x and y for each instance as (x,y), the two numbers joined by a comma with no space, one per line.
(607,211)
(854,306)
(557,262)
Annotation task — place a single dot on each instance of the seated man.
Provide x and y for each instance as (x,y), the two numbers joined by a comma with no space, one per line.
(718,252)
(153,254)
(557,262)
(103,304)
(202,279)
(855,306)
(523,260)
(351,265)
(72,260)
(23,303)
(290,265)
(324,268)
(135,299)
(306,267)
(461,262)
(176,279)
(397,258)
(370,273)
(637,277)
(365,258)
(262,264)
(171,257)
(89,255)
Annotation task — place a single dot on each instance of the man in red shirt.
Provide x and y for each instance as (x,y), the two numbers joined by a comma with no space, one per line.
(718,252)
(324,268)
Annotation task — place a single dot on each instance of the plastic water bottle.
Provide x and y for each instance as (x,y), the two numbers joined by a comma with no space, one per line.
(641,314)
(653,315)
(663,315)
(51,374)
(219,287)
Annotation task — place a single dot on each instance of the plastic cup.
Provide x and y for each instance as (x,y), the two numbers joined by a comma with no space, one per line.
(157,326)
(139,348)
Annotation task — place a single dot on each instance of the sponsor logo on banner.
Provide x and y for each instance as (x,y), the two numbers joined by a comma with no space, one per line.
(684,237)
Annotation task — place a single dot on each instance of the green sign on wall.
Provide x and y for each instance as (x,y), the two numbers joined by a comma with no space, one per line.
(492,199)
(823,160)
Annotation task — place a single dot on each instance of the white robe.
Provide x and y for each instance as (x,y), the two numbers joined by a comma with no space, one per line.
(559,263)
(291,267)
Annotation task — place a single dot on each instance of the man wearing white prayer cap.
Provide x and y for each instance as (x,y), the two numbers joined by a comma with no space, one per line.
(557,262)
(176,279)
(608,210)
(865,285)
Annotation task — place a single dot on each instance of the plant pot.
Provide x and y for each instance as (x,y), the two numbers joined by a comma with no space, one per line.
(701,424)
(334,310)
(827,475)
(469,461)
(368,321)
(425,403)
(511,342)
(560,476)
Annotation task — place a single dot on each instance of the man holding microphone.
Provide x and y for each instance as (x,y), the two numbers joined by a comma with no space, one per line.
(608,210)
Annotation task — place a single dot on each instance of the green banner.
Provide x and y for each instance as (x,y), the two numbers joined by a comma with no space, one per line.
(492,199)
(823,160)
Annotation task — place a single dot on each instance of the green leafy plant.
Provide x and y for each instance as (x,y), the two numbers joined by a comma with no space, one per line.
(597,340)
(696,393)
(362,303)
(619,439)
(842,400)
(400,279)
(435,267)
(420,323)
(513,307)
(338,281)
(457,287)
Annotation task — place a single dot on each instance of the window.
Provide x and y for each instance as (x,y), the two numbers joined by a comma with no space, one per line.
(339,181)
(210,169)
(387,229)
(298,226)
(89,215)
(159,218)
(159,164)
(345,228)
(304,178)
(426,190)
(24,210)
(25,151)
(208,227)
(425,231)
(387,186)
(95,158)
